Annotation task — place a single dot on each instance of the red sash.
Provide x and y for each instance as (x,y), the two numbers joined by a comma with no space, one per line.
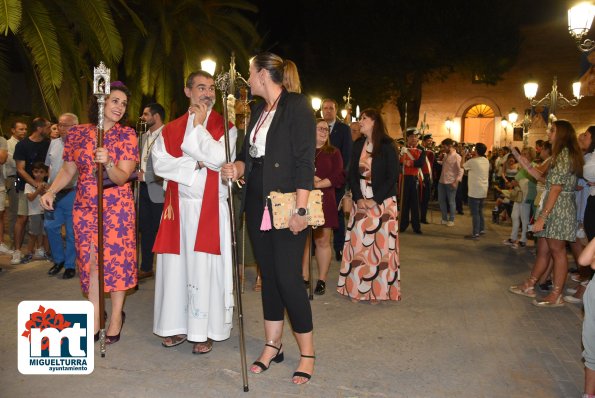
(168,236)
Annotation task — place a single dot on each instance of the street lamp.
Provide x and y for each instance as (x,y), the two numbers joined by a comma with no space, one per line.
(504,124)
(580,18)
(316,103)
(448,125)
(513,116)
(208,65)
(552,98)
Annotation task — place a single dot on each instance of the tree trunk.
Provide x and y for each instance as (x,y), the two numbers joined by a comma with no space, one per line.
(409,100)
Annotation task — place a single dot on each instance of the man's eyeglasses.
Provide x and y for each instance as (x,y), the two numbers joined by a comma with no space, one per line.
(65,125)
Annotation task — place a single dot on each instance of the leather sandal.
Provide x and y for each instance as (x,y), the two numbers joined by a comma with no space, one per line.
(203,347)
(278,358)
(304,375)
(558,302)
(173,340)
(525,289)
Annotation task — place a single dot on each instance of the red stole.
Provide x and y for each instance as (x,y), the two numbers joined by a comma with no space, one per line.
(168,236)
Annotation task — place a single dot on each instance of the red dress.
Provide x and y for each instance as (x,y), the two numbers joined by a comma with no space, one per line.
(330,165)
(119,240)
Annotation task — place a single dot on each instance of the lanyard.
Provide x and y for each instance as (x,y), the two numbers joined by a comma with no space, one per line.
(260,122)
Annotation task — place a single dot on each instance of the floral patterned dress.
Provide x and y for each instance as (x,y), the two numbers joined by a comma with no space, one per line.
(370,265)
(561,222)
(118,207)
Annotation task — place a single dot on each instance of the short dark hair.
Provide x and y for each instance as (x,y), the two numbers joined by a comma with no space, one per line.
(447,142)
(14,124)
(38,122)
(39,166)
(156,108)
(539,143)
(331,100)
(481,148)
(192,75)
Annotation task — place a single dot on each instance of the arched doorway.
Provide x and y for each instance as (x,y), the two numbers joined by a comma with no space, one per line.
(478,125)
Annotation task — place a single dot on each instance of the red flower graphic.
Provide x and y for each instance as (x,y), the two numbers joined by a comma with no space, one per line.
(43,319)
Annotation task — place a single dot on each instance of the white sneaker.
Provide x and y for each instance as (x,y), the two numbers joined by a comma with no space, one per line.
(39,253)
(4,249)
(573,300)
(16,257)
(443,222)
(450,224)
(571,290)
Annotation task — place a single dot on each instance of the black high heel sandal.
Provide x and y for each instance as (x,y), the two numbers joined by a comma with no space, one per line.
(305,375)
(279,357)
(116,338)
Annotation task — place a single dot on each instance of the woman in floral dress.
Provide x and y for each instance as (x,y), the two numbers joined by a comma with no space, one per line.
(370,265)
(118,156)
(556,223)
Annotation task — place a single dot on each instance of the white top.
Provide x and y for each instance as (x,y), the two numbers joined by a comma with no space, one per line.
(261,137)
(54,161)
(589,171)
(10,167)
(478,179)
(33,205)
(198,146)
(148,140)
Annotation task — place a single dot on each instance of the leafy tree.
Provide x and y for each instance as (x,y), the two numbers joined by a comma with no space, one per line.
(177,34)
(52,42)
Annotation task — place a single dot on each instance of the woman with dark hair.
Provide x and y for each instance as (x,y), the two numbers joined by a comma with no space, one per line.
(329,175)
(278,155)
(118,156)
(556,222)
(370,265)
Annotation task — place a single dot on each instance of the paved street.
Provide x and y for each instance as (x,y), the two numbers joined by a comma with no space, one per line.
(457,332)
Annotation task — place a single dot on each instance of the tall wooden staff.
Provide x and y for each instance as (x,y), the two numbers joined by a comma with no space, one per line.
(226,81)
(101,89)
(141,128)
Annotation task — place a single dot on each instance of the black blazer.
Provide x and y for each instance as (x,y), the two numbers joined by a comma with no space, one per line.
(340,138)
(385,167)
(290,146)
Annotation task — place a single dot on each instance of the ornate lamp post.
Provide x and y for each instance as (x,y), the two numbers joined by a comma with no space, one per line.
(526,123)
(553,98)
(580,18)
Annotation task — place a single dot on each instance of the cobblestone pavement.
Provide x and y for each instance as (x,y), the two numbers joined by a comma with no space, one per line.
(457,332)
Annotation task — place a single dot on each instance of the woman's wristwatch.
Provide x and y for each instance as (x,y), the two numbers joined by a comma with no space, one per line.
(109,164)
(301,211)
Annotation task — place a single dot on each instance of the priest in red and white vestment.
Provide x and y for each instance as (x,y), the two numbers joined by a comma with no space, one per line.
(194,284)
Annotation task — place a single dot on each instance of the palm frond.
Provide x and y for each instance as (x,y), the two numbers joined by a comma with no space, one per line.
(138,23)
(97,15)
(10,16)
(38,34)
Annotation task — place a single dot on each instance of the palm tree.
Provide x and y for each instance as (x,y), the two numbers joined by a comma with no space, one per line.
(180,33)
(53,42)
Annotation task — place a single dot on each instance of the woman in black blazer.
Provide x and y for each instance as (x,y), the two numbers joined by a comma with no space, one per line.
(370,265)
(278,155)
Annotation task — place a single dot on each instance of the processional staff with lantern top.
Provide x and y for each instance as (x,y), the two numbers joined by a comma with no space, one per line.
(101,90)
(226,83)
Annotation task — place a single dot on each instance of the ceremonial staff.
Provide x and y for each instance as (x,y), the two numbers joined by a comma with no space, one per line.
(226,82)
(141,128)
(101,89)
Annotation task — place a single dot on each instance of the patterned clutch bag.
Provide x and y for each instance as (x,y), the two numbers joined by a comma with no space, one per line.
(283,207)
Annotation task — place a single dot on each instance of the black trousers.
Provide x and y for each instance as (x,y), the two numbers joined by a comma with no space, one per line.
(339,232)
(410,204)
(279,254)
(148,223)
(425,198)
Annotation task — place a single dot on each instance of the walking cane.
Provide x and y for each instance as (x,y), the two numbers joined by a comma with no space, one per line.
(101,89)
(244,252)
(224,82)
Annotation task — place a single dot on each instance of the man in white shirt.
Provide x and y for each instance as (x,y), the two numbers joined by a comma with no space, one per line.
(150,189)
(18,131)
(478,168)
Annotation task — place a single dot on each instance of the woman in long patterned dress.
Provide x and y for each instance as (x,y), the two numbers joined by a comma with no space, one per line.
(118,155)
(556,222)
(328,175)
(370,266)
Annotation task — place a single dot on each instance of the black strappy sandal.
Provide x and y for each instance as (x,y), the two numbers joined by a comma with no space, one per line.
(279,357)
(305,375)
